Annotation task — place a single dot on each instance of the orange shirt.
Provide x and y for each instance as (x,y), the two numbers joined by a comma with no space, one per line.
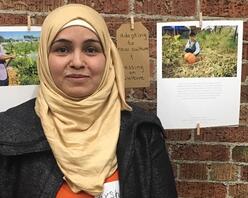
(65,191)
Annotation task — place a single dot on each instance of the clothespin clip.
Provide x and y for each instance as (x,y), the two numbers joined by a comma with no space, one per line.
(33,20)
(29,22)
(200,19)
(199,13)
(132,22)
(198,129)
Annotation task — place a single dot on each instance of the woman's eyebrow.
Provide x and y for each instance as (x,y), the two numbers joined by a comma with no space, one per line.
(61,41)
(92,40)
(68,41)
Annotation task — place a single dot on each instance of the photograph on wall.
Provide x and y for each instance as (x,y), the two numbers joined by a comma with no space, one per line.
(18,57)
(191,51)
(199,73)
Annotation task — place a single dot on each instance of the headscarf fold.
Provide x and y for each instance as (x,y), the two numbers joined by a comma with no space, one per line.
(82,133)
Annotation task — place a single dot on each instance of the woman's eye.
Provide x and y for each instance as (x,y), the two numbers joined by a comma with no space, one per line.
(91,50)
(62,50)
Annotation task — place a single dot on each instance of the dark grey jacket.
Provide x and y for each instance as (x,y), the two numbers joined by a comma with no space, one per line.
(28,168)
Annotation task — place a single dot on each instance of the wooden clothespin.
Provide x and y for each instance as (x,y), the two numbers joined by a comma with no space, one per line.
(198,129)
(199,12)
(29,22)
(200,19)
(33,20)
(132,22)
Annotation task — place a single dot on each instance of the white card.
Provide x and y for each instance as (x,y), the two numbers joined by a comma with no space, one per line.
(110,190)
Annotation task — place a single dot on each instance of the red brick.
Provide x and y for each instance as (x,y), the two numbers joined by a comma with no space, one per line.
(166,7)
(225,8)
(240,154)
(109,6)
(19,19)
(149,106)
(151,26)
(153,48)
(244,93)
(131,94)
(12,19)
(153,70)
(184,8)
(146,93)
(174,168)
(138,93)
(153,7)
(245,31)
(150,92)
(244,72)
(223,172)
(245,51)
(244,115)
(201,190)
(31,5)
(238,190)
(200,152)
(114,23)
(244,173)
(178,135)
(223,134)
(193,171)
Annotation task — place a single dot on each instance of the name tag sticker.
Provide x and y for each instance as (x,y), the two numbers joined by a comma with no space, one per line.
(110,190)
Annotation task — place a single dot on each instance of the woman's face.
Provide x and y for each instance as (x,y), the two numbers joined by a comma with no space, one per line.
(76,61)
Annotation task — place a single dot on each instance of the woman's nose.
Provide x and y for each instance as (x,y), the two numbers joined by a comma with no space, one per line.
(78,60)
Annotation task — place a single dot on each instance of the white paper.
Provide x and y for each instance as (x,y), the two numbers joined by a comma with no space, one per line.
(110,190)
(209,101)
(11,96)
(14,95)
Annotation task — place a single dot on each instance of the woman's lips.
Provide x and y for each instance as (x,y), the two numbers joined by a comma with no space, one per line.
(77,78)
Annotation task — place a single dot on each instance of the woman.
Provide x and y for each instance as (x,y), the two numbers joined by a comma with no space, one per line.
(79,138)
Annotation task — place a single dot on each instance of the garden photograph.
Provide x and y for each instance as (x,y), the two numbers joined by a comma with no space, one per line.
(19,48)
(192,52)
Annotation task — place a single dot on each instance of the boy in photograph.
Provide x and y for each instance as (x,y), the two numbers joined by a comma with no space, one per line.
(192,45)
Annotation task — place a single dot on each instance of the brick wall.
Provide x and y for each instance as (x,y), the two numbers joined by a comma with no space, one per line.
(213,164)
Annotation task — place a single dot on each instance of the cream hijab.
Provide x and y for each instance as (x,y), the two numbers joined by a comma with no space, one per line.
(82,133)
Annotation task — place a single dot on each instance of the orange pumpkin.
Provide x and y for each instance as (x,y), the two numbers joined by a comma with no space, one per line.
(190,58)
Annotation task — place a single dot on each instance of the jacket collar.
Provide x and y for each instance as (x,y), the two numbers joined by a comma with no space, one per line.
(125,145)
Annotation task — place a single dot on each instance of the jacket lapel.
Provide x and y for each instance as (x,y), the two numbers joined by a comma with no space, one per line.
(125,147)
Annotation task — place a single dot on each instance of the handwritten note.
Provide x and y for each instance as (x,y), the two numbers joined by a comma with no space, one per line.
(133,46)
